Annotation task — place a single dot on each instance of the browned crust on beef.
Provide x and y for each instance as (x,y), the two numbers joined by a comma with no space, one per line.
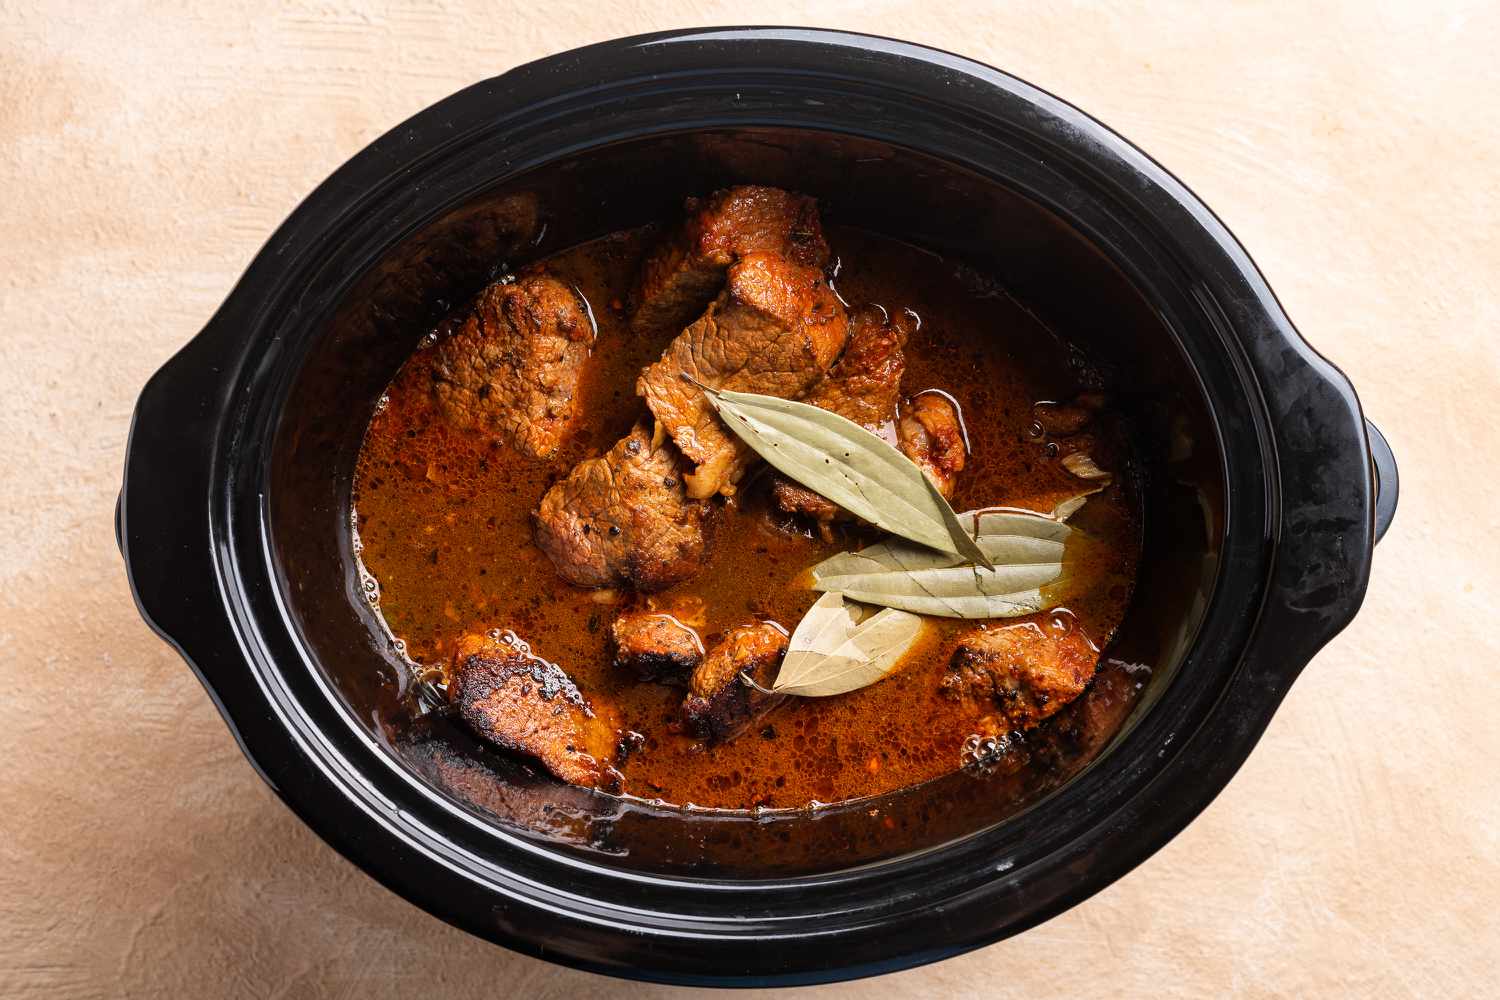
(655,645)
(510,364)
(684,274)
(776,329)
(1027,671)
(523,704)
(623,518)
(719,703)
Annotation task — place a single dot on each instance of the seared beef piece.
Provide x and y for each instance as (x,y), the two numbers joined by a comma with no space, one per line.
(1065,419)
(623,518)
(718,703)
(510,364)
(655,645)
(522,703)
(865,387)
(1027,671)
(930,433)
(775,329)
(684,274)
(793,499)
(1094,717)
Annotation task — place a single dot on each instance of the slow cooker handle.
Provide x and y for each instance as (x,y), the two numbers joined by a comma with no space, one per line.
(162,514)
(1387,480)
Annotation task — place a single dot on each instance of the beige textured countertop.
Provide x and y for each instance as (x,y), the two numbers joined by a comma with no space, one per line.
(144,158)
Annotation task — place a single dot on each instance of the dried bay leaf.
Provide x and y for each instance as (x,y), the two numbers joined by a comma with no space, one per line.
(866,652)
(824,628)
(1026,549)
(848,465)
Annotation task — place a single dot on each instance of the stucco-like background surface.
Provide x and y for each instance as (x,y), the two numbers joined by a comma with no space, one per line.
(145,155)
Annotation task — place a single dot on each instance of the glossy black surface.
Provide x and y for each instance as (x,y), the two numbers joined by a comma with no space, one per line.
(1387,480)
(218,442)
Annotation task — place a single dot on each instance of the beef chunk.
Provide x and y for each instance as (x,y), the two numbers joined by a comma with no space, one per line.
(718,703)
(683,275)
(791,498)
(655,645)
(510,365)
(1067,419)
(1091,720)
(776,329)
(930,433)
(523,704)
(623,518)
(865,387)
(1028,671)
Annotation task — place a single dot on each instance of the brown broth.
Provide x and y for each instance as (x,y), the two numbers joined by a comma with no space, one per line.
(444,519)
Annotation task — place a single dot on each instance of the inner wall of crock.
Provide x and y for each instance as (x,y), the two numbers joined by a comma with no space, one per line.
(1047,265)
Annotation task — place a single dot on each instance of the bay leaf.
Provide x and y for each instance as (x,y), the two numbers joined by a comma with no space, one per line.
(868,654)
(848,465)
(1026,550)
(824,628)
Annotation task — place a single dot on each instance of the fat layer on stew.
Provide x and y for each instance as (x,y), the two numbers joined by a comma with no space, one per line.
(601,578)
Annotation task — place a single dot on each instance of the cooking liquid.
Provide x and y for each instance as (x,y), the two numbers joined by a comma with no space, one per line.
(444,519)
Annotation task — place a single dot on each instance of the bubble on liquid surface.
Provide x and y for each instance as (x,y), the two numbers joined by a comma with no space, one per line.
(981,749)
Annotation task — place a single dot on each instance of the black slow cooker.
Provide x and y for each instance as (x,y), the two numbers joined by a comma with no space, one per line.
(1266,491)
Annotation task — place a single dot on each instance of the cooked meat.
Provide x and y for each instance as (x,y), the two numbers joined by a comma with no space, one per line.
(655,645)
(510,364)
(1094,717)
(793,499)
(775,329)
(931,434)
(624,518)
(523,704)
(1065,419)
(1028,670)
(718,703)
(684,274)
(865,387)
